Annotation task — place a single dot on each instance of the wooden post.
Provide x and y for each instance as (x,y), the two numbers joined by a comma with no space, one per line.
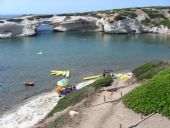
(104,99)
(85,104)
(121,95)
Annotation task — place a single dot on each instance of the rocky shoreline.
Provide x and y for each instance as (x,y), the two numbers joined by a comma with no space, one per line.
(124,21)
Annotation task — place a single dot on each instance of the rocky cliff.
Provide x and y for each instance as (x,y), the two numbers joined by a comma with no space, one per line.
(130,20)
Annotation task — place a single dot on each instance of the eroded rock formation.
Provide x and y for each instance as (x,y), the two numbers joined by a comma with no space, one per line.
(116,21)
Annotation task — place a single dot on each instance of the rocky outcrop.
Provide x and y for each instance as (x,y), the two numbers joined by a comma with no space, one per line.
(116,21)
(161,29)
(12,29)
(75,23)
(124,26)
(27,26)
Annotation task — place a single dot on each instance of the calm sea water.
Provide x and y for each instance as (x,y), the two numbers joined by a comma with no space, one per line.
(83,53)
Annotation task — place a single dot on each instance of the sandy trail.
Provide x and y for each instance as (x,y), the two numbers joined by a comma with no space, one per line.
(115,115)
(33,110)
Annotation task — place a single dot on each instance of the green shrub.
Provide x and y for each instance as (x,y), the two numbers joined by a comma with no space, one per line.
(77,96)
(146,21)
(103,82)
(151,97)
(129,14)
(165,22)
(154,15)
(119,17)
(148,70)
(124,15)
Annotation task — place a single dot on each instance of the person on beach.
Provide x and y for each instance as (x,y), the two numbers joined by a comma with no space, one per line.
(104,73)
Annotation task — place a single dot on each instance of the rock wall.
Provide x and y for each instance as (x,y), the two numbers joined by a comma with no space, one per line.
(27,25)
(124,26)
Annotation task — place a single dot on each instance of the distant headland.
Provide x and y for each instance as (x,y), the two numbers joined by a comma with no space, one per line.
(127,20)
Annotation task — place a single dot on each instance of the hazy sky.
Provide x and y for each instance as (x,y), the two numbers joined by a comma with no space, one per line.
(64,6)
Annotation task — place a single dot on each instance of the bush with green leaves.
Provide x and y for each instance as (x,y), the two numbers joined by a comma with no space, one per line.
(146,21)
(119,17)
(149,70)
(77,96)
(129,14)
(151,97)
(165,22)
(155,15)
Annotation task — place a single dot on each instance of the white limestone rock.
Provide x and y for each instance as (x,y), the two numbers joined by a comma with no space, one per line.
(12,29)
(123,26)
(75,23)
(160,29)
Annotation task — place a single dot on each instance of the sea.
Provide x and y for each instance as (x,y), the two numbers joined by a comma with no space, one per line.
(82,53)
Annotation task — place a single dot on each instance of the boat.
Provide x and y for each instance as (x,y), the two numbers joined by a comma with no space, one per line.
(30,83)
(67,73)
(58,73)
(122,76)
(92,77)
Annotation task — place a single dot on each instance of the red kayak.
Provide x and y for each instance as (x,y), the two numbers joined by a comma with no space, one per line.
(30,83)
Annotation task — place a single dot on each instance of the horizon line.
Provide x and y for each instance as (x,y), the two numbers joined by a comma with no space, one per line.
(88,11)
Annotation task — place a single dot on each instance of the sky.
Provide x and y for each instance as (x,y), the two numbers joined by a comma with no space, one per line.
(67,6)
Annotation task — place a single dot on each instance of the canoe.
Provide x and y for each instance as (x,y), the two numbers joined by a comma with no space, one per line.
(64,73)
(55,71)
(92,77)
(58,73)
(67,73)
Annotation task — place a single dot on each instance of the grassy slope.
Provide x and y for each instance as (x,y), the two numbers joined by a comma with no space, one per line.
(153,96)
(148,70)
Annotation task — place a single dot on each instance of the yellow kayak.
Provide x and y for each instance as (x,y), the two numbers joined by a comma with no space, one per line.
(58,73)
(122,76)
(55,71)
(67,73)
(92,77)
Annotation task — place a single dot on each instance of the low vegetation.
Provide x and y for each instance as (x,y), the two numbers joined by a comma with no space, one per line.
(125,15)
(165,22)
(146,22)
(149,70)
(77,96)
(153,96)
(119,17)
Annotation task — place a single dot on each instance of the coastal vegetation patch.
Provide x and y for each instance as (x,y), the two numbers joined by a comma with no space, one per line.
(149,70)
(153,96)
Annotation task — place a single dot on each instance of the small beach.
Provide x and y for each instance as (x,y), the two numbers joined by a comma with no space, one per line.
(33,110)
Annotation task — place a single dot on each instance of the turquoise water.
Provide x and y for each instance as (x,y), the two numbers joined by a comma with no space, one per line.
(83,53)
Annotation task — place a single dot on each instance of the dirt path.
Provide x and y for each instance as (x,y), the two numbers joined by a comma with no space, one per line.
(105,114)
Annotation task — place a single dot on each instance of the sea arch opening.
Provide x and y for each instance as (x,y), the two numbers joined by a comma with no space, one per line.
(44,27)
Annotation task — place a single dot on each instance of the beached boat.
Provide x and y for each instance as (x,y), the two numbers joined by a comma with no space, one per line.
(58,73)
(67,73)
(92,77)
